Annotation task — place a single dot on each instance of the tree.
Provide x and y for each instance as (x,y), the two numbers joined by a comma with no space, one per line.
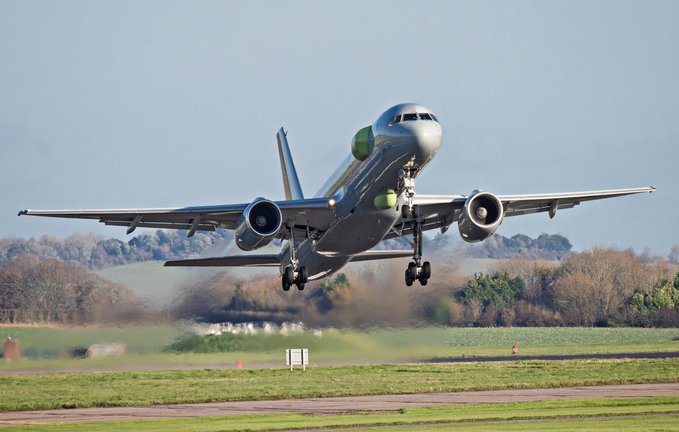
(500,289)
(54,291)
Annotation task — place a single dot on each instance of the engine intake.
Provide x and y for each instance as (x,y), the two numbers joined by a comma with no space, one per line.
(258,225)
(481,216)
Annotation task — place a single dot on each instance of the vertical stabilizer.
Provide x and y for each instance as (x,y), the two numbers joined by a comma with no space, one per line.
(293,190)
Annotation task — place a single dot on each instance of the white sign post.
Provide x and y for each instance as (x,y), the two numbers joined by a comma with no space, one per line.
(297,357)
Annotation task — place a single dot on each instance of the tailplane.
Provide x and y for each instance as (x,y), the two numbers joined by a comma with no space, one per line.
(293,190)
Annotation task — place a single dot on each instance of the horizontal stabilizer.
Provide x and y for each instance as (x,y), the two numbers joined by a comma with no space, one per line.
(259,260)
(381,254)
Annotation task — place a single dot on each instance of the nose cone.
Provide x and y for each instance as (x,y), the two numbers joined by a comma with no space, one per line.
(410,128)
(428,138)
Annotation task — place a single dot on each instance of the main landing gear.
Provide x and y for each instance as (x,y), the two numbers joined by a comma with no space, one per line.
(417,270)
(291,277)
(294,274)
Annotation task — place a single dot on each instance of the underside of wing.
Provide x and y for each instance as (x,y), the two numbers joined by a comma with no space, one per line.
(440,211)
(516,205)
(255,260)
(305,216)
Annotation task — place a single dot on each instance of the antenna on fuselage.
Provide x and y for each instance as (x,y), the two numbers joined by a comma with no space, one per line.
(293,190)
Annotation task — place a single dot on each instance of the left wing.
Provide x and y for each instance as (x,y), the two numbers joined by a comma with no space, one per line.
(440,211)
(305,214)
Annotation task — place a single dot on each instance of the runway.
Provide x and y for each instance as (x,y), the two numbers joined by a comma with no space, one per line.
(334,405)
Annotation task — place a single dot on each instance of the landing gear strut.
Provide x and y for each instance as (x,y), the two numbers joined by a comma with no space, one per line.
(294,274)
(417,270)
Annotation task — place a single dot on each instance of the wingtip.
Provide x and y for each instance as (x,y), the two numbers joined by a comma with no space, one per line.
(22,212)
(652,188)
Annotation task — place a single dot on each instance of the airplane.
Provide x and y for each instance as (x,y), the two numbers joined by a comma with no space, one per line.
(369,198)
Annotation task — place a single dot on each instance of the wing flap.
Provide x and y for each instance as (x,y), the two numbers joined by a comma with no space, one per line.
(255,260)
(381,254)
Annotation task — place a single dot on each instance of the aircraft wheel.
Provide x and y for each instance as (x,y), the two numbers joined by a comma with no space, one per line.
(289,275)
(303,276)
(412,270)
(286,285)
(409,280)
(416,212)
(426,270)
(300,286)
(423,281)
(405,212)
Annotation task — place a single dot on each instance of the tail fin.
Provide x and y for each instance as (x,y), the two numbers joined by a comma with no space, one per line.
(293,190)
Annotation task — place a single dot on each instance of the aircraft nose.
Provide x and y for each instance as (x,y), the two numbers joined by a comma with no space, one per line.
(428,138)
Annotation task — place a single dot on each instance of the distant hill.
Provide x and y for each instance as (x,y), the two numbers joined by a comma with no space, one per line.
(545,247)
(95,252)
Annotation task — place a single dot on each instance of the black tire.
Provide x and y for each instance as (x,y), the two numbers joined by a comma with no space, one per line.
(426,270)
(423,281)
(286,285)
(300,286)
(289,275)
(416,212)
(405,212)
(409,281)
(412,270)
(303,276)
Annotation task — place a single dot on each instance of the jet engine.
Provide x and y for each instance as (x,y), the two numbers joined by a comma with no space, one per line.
(481,216)
(258,225)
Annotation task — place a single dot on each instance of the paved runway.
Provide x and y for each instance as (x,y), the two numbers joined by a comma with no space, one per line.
(334,405)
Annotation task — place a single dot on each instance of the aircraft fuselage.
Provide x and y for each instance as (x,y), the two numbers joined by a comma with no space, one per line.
(359,224)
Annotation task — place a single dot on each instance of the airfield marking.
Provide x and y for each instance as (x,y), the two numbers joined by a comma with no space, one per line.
(335,405)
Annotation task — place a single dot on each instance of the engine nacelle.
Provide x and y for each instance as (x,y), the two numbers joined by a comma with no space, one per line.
(481,216)
(258,225)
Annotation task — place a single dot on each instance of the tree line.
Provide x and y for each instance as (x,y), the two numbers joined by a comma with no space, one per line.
(600,287)
(94,252)
(34,290)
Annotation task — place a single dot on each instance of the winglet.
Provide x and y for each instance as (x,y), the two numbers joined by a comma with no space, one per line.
(23,213)
(293,190)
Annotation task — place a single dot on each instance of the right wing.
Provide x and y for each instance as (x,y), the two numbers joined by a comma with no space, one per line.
(305,215)
(441,211)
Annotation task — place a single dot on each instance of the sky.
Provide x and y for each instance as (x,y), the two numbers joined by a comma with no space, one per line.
(107,104)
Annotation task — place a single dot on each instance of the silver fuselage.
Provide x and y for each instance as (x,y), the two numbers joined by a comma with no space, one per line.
(358,225)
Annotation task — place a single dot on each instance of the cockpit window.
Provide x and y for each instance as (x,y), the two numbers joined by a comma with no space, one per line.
(433,117)
(392,121)
(425,116)
(409,117)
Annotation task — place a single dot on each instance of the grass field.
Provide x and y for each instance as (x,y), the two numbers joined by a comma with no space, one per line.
(129,388)
(602,415)
(146,344)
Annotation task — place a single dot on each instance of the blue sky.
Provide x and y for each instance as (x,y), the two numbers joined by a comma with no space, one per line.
(153,104)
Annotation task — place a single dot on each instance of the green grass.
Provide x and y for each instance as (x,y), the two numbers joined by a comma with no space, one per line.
(629,414)
(145,343)
(51,342)
(128,388)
